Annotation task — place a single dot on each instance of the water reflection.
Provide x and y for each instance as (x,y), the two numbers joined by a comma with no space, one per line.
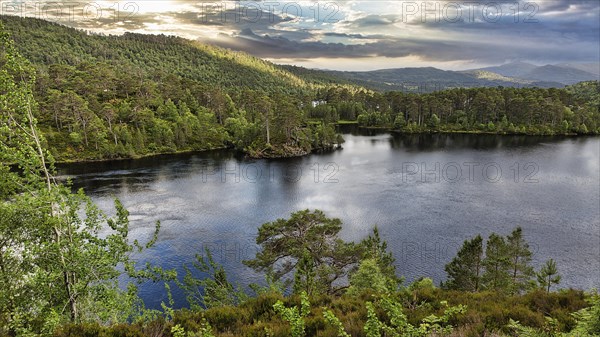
(400,182)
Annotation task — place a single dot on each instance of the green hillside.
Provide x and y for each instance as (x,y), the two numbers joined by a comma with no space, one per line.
(106,97)
(46,43)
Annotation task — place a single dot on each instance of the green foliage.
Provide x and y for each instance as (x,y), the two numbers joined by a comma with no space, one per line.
(399,325)
(520,258)
(65,270)
(485,313)
(464,271)
(272,286)
(107,97)
(332,319)
(98,100)
(135,95)
(496,264)
(375,248)
(212,290)
(588,319)
(505,267)
(369,278)
(305,276)
(373,326)
(376,272)
(434,121)
(548,275)
(309,236)
(525,331)
(294,316)
(490,110)
(205,331)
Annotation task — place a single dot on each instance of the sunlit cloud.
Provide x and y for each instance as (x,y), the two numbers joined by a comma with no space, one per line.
(356,35)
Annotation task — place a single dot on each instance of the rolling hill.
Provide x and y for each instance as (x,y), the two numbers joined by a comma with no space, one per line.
(426,79)
(514,69)
(45,43)
(564,73)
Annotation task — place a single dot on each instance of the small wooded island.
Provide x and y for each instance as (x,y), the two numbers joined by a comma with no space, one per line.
(90,97)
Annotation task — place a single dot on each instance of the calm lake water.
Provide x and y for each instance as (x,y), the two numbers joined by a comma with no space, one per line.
(427,194)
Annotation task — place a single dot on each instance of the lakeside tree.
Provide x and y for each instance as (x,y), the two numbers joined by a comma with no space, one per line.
(496,264)
(375,248)
(464,271)
(548,275)
(55,267)
(211,290)
(519,253)
(377,270)
(505,266)
(369,278)
(310,240)
(305,277)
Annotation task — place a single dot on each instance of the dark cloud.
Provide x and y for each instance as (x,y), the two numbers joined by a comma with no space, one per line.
(490,50)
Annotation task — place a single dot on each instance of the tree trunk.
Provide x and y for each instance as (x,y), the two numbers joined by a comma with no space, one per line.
(54,210)
(268,134)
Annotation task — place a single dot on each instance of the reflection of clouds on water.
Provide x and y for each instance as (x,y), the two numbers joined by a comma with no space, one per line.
(322,202)
(357,161)
(591,157)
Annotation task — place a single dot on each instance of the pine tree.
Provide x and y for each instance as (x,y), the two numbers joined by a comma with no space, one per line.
(375,248)
(305,277)
(285,242)
(548,275)
(497,264)
(464,271)
(520,259)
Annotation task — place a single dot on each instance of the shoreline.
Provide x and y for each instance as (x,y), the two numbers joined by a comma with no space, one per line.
(137,157)
(247,155)
(474,132)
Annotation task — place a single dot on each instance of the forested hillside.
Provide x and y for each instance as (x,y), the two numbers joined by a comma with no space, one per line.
(148,56)
(125,96)
(102,97)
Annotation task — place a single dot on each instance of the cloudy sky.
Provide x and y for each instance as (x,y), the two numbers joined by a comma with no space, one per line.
(355,35)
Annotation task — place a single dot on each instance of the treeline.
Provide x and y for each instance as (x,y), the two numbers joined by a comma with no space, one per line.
(504,267)
(573,110)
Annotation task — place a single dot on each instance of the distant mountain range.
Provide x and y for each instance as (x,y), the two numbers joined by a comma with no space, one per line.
(564,73)
(517,74)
